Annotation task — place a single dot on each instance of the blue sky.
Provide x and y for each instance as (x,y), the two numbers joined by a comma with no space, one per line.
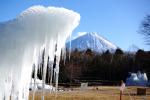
(116,20)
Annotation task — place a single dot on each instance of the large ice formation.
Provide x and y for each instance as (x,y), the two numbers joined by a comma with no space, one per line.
(21,40)
(137,79)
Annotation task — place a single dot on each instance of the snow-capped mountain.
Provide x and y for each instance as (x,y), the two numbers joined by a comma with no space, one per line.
(93,41)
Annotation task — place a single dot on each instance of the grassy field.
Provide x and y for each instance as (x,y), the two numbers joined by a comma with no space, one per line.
(102,93)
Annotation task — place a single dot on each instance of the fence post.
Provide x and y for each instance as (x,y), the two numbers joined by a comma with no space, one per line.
(120,95)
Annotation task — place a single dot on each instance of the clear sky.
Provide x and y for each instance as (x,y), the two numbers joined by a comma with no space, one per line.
(116,20)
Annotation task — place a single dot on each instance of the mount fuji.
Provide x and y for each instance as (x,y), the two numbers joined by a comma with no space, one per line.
(93,41)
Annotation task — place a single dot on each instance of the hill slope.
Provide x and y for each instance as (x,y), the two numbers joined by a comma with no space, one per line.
(92,41)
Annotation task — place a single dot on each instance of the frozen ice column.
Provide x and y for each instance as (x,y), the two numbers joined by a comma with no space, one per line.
(20,42)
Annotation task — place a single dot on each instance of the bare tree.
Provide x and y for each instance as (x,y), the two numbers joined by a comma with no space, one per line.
(145,29)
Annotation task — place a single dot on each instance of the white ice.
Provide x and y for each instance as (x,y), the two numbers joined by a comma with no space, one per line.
(21,40)
(137,79)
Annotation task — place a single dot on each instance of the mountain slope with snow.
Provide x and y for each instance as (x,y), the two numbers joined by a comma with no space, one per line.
(92,41)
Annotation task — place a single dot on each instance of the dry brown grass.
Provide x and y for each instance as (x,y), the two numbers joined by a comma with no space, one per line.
(103,93)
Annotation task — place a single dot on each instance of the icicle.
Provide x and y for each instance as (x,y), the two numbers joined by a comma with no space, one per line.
(69,46)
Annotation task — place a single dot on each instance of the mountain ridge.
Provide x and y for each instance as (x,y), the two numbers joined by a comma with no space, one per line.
(93,41)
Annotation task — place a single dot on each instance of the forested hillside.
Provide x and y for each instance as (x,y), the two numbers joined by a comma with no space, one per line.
(87,65)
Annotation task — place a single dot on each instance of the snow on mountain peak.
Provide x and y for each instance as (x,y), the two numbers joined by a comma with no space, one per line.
(93,41)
